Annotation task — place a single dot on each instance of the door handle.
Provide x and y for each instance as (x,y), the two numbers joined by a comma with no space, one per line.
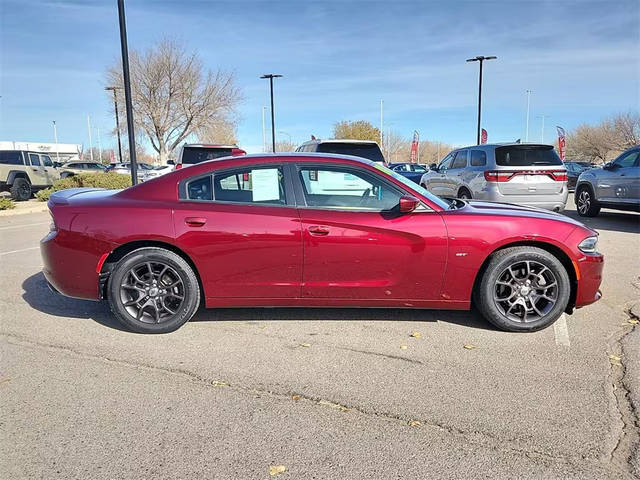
(319,230)
(195,221)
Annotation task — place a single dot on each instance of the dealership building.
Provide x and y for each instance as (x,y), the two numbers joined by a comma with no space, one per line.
(63,152)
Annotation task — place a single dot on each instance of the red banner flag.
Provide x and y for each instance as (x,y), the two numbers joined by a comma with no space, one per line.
(483,136)
(414,146)
(561,143)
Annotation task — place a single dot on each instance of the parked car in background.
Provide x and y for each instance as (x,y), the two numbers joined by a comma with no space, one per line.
(413,171)
(615,185)
(574,169)
(159,170)
(144,169)
(74,168)
(23,172)
(524,174)
(258,230)
(194,153)
(358,148)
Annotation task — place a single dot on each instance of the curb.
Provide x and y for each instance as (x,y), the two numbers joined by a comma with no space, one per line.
(38,208)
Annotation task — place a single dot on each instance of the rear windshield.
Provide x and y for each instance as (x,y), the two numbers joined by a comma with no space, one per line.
(192,155)
(526,156)
(370,151)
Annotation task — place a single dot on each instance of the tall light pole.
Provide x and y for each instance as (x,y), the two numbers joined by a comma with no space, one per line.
(99,145)
(271,76)
(480,59)
(381,124)
(542,131)
(264,130)
(287,134)
(127,92)
(526,134)
(90,141)
(55,136)
(115,106)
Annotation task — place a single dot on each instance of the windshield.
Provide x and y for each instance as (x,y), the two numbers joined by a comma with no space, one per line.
(370,151)
(414,186)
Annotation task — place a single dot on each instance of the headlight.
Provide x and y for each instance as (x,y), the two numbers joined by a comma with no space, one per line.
(589,245)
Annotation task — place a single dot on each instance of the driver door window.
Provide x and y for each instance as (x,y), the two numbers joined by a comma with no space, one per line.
(346,189)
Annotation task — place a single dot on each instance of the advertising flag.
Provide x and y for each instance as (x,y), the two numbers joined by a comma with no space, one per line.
(483,136)
(561,143)
(414,147)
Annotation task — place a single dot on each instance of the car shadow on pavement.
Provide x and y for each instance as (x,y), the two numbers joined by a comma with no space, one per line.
(38,296)
(628,222)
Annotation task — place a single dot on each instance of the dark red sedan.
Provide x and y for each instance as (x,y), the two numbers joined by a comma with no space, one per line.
(315,231)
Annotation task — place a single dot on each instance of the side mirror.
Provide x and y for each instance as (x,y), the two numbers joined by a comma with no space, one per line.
(433,166)
(408,204)
(170,162)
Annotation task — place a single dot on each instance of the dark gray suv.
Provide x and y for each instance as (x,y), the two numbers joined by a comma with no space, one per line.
(615,185)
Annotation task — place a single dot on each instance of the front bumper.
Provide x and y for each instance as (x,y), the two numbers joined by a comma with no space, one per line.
(589,270)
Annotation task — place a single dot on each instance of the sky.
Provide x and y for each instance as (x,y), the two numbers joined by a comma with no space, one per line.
(580,59)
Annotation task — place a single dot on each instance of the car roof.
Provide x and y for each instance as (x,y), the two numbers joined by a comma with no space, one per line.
(338,140)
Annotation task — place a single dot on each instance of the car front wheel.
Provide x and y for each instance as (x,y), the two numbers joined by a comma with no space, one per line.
(153,290)
(21,190)
(586,202)
(523,289)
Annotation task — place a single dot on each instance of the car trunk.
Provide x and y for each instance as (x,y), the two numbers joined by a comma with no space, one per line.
(529,170)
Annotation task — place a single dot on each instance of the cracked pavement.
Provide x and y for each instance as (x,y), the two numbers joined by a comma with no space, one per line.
(325,392)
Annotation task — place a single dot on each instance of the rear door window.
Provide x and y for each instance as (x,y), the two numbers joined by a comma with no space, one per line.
(193,155)
(10,157)
(478,158)
(526,156)
(460,160)
(250,185)
(34,159)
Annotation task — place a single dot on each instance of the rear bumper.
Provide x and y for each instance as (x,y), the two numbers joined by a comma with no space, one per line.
(69,270)
(589,270)
(554,202)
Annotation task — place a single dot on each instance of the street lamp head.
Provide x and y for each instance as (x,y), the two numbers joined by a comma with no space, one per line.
(270,75)
(480,58)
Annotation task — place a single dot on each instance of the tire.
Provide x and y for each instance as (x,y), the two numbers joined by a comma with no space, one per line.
(464,194)
(585,202)
(138,299)
(21,189)
(507,307)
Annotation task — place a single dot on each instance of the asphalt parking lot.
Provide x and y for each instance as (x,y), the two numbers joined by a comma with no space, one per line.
(325,393)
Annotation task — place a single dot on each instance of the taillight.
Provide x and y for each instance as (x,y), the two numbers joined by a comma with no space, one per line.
(497,176)
(178,166)
(505,176)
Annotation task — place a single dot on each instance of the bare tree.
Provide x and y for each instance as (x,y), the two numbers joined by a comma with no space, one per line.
(626,128)
(173,96)
(223,132)
(285,146)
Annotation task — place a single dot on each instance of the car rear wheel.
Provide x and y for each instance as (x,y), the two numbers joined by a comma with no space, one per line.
(586,202)
(464,194)
(21,189)
(153,290)
(523,289)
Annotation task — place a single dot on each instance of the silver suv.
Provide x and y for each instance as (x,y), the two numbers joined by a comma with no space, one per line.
(615,185)
(525,174)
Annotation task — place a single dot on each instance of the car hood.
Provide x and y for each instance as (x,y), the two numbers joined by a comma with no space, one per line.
(508,209)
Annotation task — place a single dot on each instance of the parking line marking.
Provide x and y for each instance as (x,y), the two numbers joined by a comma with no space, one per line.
(561,331)
(25,225)
(18,251)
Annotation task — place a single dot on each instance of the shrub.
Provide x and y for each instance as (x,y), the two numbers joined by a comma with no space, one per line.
(6,204)
(111,181)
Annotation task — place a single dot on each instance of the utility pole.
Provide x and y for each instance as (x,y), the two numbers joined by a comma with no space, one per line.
(55,136)
(115,105)
(480,59)
(127,92)
(264,131)
(526,135)
(90,141)
(271,76)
